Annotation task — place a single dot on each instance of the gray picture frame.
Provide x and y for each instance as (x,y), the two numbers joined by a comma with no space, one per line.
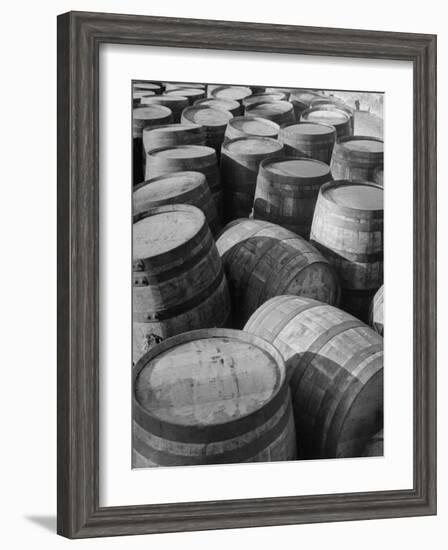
(79,38)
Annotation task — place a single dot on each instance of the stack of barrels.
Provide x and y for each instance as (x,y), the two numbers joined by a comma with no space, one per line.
(257,270)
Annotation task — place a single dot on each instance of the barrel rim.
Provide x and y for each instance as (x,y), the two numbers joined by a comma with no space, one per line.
(338,183)
(258,95)
(224,86)
(144,107)
(235,105)
(257,105)
(225,146)
(173,98)
(299,122)
(275,126)
(341,141)
(208,151)
(324,101)
(186,112)
(187,126)
(309,110)
(232,427)
(193,173)
(291,178)
(174,91)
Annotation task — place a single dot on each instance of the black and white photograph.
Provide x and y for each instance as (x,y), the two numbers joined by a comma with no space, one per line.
(257,273)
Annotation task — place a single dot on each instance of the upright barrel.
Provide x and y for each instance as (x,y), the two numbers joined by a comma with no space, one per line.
(308,139)
(145,117)
(287,190)
(240,160)
(211,397)
(196,158)
(224,104)
(170,135)
(214,122)
(262,260)
(192,94)
(138,94)
(151,87)
(356,158)
(286,91)
(265,97)
(331,103)
(248,126)
(335,368)
(301,100)
(376,317)
(178,280)
(176,103)
(330,115)
(348,229)
(178,188)
(378,175)
(237,93)
(280,112)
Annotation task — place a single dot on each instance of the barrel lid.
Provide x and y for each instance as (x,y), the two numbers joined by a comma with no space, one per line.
(183,151)
(208,377)
(308,128)
(363,144)
(165,98)
(356,195)
(304,96)
(273,107)
(147,86)
(330,115)
(170,128)
(207,116)
(186,92)
(298,167)
(255,145)
(232,92)
(151,112)
(168,186)
(254,125)
(218,103)
(265,97)
(165,229)
(176,85)
(137,94)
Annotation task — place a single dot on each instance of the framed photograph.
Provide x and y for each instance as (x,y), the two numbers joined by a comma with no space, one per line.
(246,274)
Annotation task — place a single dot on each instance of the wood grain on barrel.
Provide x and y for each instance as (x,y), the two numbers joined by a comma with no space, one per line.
(287,191)
(262,260)
(249,126)
(376,317)
(240,159)
(211,397)
(348,229)
(357,158)
(178,280)
(178,188)
(330,115)
(280,112)
(335,367)
(308,139)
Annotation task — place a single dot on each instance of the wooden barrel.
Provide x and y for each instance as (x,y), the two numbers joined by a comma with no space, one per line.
(178,188)
(375,446)
(287,190)
(170,135)
(137,95)
(195,158)
(178,280)
(348,229)
(301,100)
(330,115)
(214,121)
(224,104)
(280,112)
(145,117)
(247,126)
(335,368)
(264,98)
(331,103)
(257,89)
(376,319)
(192,94)
(378,175)
(176,85)
(356,158)
(240,159)
(308,139)
(237,93)
(286,91)
(176,103)
(211,397)
(148,87)
(262,260)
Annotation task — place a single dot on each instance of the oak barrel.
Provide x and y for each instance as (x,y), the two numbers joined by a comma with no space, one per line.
(286,91)
(262,260)
(224,104)
(178,188)
(331,103)
(178,279)
(348,229)
(264,98)
(176,85)
(214,121)
(335,368)
(196,158)
(356,158)
(330,115)
(245,126)
(192,94)
(308,139)
(211,397)
(137,95)
(301,100)
(240,159)
(145,117)
(378,175)
(154,87)
(280,112)
(237,93)
(176,103)
(170,135)
(376,316)
(287,190)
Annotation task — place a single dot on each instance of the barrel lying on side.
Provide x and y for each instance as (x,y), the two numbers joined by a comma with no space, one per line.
(240,159)
(330,115)
(356,158)
(251,126)
(376,317)
(211,397)
(196,158)
(178,280)
(335,367)
(308,139)
(262,260)
(348,229)
(287,190)
(178,188)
